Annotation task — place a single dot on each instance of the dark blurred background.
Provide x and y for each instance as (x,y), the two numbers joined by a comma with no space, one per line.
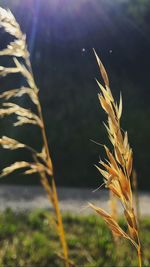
(60,36)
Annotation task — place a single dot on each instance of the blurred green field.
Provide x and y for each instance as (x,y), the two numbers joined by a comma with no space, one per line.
(29,239)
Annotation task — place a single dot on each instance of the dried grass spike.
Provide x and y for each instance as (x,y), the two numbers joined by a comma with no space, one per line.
(13,167)
(9,143)
(114,227)
(118,168)
(102,69)
(18,48)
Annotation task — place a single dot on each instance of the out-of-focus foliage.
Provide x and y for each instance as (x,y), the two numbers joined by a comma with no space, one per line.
(64,67)
(140,11)
(26,240)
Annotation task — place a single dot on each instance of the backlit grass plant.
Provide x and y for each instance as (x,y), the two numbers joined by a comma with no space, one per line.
(41,164)
(117,168)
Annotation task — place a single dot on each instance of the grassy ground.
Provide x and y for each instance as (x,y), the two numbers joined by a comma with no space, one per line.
(30,240)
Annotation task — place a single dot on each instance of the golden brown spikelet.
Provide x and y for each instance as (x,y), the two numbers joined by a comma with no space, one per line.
(118,166)
(42,163)
(112,224)
(16,48)
(9,23)
(19,92)
(43,154)
(102,69)
(5,71)
(33,168)
(13,167)
(23,115)
(10,143)
(39,168)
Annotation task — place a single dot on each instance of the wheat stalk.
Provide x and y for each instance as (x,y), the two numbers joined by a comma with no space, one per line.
(116,170)
(42,163)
